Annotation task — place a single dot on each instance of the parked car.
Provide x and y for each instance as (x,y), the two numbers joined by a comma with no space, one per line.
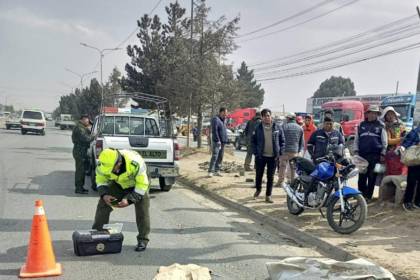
(12,121)
(32,121)
(142,133)
(240,139)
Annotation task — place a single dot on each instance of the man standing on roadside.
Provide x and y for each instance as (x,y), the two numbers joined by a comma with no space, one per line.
(249,132)
(320,140)
(370,142)
(268,143)
(294,145)
(81,140)
(218,140)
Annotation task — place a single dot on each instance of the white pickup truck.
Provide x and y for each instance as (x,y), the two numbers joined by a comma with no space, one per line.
(142,133)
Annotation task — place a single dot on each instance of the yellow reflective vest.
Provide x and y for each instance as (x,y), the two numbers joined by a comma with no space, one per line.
(134,176)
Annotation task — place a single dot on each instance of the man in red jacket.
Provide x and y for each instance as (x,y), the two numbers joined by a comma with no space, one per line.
(308,128)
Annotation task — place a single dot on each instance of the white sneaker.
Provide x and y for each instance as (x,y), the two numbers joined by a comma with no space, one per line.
(210,175)
(218,174)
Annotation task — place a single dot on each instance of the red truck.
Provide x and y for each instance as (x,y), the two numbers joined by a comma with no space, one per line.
(349,113)
(240,116)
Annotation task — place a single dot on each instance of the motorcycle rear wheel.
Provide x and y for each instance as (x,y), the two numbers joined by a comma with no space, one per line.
(352,219)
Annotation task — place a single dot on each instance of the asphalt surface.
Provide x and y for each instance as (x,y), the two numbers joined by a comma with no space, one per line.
(186,227)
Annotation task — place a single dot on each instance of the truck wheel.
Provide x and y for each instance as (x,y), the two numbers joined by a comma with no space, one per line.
(23,131)
(62,127)
(7,127)
(165,185)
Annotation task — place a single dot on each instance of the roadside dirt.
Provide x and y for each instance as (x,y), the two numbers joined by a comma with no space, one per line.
(390,237)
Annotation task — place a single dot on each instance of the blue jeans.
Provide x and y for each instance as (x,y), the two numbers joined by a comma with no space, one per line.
(217,151)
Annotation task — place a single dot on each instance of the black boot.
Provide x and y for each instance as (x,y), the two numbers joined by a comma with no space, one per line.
(81,191)
(141,246)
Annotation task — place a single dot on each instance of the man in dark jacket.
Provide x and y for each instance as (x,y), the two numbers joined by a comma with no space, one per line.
(218,140)
(268,145)
(322,137)
(81,140)
(413,175)
(294,145)
(249,132)
(370,142)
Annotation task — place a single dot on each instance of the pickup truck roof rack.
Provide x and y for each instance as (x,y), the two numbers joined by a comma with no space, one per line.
(160,103)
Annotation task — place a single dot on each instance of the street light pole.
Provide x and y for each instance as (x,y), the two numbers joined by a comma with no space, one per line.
(81,76)
(101,55)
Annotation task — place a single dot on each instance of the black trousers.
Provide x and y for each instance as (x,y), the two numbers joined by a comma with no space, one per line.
(270,162)
(413,184)
(367,181)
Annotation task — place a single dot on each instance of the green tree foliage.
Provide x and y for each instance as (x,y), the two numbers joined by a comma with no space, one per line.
(252,93)
(88,99)
(335,86)
(162,64)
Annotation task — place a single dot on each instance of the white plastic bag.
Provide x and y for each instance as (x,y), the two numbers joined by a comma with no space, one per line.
(411,156)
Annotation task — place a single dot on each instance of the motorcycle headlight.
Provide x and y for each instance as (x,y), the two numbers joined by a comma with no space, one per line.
(353,173)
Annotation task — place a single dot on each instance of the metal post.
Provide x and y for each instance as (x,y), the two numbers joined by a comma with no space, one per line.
(102,84)
(191,57)
(396,89)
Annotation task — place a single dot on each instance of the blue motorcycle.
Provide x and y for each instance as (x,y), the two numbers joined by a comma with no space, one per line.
(325,185)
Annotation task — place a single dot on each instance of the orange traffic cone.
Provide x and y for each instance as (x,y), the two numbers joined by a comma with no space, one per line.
(40,261)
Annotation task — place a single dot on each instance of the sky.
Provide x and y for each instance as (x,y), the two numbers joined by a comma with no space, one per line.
(40,39)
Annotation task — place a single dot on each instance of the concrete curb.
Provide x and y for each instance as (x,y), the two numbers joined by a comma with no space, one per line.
(301,237)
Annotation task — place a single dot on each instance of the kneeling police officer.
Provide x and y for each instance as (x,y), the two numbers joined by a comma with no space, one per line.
(121,177)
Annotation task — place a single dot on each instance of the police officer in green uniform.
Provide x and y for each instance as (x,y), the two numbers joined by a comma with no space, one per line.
(81,140)
(121,178)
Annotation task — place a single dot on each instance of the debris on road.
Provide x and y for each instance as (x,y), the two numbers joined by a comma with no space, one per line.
(183,272)
(324,268)
(227,166)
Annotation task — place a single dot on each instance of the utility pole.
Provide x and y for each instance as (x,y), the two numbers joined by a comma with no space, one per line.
(191,58)
(199,111)
(396,89)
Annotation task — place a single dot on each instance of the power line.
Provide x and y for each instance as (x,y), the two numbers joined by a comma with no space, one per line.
(390,39)
(341,41)
(286,19)
(135,30)
(329,67)
(338,57)
(301,23)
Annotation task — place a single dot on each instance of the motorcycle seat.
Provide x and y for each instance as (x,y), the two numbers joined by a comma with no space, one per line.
(304,164)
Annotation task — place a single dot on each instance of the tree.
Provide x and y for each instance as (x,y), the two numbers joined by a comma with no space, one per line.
(335,86)
(252,93)
(162,63)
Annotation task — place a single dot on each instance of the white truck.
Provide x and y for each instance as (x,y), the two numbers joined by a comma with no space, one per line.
(66,121)
(149,135)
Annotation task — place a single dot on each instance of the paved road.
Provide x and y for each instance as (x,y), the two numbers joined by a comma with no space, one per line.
(186,227)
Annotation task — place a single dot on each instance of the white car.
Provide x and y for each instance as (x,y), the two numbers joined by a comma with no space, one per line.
(32,121)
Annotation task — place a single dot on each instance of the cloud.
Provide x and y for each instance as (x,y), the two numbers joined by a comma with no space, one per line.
(27,18)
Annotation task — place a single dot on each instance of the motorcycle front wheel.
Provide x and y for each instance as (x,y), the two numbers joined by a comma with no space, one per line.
(355,213)
(293,208)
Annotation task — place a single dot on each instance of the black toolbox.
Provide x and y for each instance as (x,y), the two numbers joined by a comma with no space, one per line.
(93,242)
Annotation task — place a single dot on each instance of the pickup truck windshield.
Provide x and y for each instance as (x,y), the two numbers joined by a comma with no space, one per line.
(125,125)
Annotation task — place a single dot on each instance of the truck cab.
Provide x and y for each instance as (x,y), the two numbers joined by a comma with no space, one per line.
(405,105)
(349,113)
(240,116)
